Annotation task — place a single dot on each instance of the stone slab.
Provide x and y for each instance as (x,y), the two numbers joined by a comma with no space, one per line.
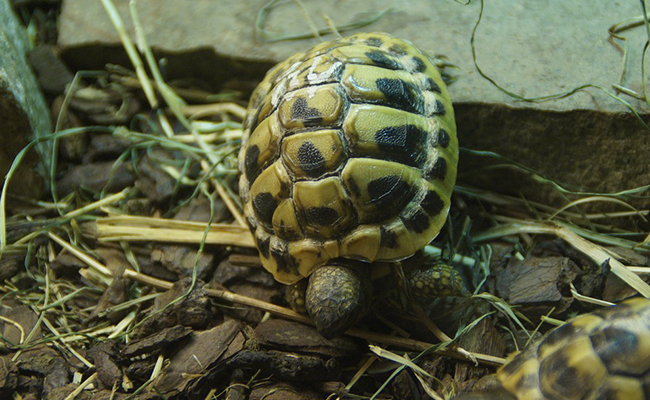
(531,48)
(23,113)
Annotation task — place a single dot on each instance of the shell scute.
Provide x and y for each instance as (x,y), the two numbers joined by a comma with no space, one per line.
(262,149)
(313,154)
(389,134)
(313,106)
(379,188)
(324,207)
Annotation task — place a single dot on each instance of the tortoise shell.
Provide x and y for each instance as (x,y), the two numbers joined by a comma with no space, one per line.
(601,355)
(349,151)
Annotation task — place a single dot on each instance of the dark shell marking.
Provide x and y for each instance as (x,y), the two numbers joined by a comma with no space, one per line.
(349,151)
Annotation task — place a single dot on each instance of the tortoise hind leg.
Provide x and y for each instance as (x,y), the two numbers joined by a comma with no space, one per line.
(436,280)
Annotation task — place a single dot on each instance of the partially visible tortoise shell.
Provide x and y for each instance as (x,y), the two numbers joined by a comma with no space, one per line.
(349,150)
(601,355)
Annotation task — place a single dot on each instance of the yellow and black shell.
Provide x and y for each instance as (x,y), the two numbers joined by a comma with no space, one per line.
(349,151)
(600,355)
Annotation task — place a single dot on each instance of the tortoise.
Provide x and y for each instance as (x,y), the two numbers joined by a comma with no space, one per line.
(348,160)
(601,355)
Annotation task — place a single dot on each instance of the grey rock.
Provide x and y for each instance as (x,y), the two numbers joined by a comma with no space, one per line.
(23,113)
(53,75)
(530,48)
